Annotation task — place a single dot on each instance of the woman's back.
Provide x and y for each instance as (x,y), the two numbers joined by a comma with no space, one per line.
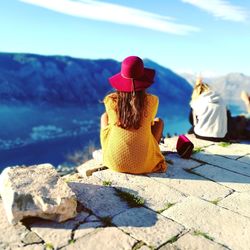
(131,150)
(211,114)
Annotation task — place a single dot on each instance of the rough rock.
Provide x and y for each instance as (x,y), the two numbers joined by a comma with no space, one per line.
(36,191)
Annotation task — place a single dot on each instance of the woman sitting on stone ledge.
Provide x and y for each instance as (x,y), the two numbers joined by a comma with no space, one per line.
(130,133)
(210,118)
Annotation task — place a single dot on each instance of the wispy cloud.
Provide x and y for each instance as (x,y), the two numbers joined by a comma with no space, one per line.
(221,8)
(115,13)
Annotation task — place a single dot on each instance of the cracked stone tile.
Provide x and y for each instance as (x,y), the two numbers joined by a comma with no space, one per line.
(144,187)
(237,202)
(191,184)
(229,164)
(101,200)
(92,218)
(232,151)
(226,178)
(110,237)
(193,242)
(144,247)
(147,226)
(224,226)
(245,159)
(30,247)
(86,228)
(57,234)
(179,162)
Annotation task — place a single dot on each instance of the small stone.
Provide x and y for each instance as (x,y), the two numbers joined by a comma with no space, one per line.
(89,167)
(81,217)
(36,191)
(31,238)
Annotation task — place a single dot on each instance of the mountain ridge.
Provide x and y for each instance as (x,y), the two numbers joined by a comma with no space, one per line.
(58,80)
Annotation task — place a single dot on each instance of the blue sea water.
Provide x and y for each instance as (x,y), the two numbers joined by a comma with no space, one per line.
(33,135)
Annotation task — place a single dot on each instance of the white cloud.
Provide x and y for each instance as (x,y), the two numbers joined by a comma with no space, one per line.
(115,13)
(221,8)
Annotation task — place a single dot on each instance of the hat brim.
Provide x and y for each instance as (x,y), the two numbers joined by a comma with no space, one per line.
(123,84)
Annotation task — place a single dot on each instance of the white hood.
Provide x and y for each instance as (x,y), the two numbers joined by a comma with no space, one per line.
(211,115)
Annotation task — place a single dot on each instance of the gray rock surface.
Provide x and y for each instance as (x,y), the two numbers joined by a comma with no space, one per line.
(36,191)
(190,241)
(229,164)
(109,238)
(143,186)
(191,184)
(202,205)
(226,178)
(237,202)
(147,226)
(221,224)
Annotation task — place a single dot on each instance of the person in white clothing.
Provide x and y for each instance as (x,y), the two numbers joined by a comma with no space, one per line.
(210,121)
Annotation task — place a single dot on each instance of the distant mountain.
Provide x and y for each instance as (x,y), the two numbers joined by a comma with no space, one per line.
(230,85)
(57,80)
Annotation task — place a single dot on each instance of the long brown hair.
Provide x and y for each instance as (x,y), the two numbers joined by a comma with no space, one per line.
(130,109)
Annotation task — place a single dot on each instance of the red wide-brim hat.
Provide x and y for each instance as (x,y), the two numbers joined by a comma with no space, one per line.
(133,76)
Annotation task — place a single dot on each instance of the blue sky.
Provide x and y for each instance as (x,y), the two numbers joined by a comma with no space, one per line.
(211,37)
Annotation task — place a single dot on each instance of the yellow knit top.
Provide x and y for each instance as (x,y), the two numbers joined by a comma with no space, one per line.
(131,151)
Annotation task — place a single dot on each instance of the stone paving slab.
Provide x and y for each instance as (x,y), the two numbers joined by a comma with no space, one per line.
(230,164)
(9,236)
(144,248)
(170,143)
(232,151)
(56,234)
(237,202)
(245,159)
(29,247)
(101,200)
(179,162)
(226,178)
(191,184)
(190,241)
(221,224)
(86,228)
(109,238)
(144,187)
(147,226)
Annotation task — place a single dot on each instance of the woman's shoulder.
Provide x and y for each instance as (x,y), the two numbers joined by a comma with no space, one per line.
(112,97)
(152,98)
